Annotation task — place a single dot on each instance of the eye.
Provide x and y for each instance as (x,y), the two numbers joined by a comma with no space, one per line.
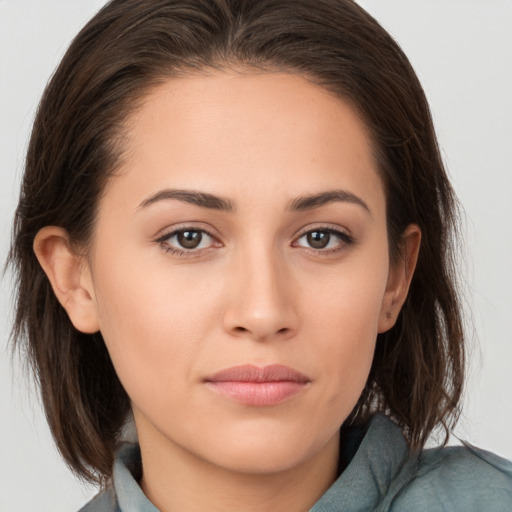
(324,240)
(186,239)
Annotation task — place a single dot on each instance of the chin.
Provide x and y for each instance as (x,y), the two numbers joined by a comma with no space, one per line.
(267,451)
(257,461)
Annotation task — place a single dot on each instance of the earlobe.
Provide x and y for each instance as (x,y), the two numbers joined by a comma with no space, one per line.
(69,277)
(399,279)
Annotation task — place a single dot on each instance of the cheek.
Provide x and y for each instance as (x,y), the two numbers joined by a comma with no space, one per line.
(150,324)
(344,326)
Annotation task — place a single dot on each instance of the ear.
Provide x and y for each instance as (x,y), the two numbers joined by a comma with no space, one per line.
(400,276)
(69,276)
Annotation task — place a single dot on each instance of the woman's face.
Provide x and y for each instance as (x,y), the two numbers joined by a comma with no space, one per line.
(239,270)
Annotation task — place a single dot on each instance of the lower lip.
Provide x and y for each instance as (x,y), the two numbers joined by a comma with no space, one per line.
(258,394)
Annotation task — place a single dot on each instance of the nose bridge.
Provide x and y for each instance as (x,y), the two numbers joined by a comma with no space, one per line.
(261,303)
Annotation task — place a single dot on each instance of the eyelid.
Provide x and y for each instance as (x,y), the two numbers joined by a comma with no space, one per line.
(345,237)
(332,228)
(164,235)
(184,226)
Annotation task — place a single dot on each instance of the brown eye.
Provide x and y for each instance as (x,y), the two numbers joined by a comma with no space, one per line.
(183,241)
(318,239)
(189,239)
(326,240)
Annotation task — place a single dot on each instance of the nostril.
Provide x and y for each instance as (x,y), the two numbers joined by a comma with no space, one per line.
(243,330)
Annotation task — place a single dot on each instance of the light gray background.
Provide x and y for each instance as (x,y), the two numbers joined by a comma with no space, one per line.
(462,51)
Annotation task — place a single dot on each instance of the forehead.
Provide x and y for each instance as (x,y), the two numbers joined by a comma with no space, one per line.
(234,133)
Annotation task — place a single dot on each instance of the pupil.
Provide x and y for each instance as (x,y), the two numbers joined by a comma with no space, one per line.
(318,239)
(189,239)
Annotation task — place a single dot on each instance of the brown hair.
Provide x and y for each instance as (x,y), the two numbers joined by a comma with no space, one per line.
(130,46)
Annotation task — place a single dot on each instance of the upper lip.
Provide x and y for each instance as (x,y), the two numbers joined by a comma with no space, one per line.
(251,373)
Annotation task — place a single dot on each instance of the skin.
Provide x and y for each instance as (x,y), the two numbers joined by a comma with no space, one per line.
(254,291)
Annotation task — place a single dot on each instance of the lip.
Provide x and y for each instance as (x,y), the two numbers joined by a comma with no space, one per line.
(260,387)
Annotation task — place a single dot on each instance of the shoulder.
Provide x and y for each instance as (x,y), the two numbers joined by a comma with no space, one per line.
(461,478)
(105,501)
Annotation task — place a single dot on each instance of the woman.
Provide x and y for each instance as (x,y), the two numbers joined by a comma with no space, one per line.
(235,224)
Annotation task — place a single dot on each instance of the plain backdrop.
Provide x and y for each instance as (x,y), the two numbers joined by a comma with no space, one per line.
(462,52)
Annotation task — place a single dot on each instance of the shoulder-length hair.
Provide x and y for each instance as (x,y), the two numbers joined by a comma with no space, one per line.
(76,145)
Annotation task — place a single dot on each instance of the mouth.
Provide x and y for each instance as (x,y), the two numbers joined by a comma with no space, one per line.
(260,387)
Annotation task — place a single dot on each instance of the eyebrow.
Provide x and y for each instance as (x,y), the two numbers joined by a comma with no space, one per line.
(213,202)
(311,202)
(201,199)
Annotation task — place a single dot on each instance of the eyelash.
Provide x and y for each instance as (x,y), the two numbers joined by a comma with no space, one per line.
(344,239)
(163,241)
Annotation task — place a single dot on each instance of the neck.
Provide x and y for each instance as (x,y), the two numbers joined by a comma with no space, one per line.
(177,480)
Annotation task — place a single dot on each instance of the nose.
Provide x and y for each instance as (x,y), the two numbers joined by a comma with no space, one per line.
(261,302)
